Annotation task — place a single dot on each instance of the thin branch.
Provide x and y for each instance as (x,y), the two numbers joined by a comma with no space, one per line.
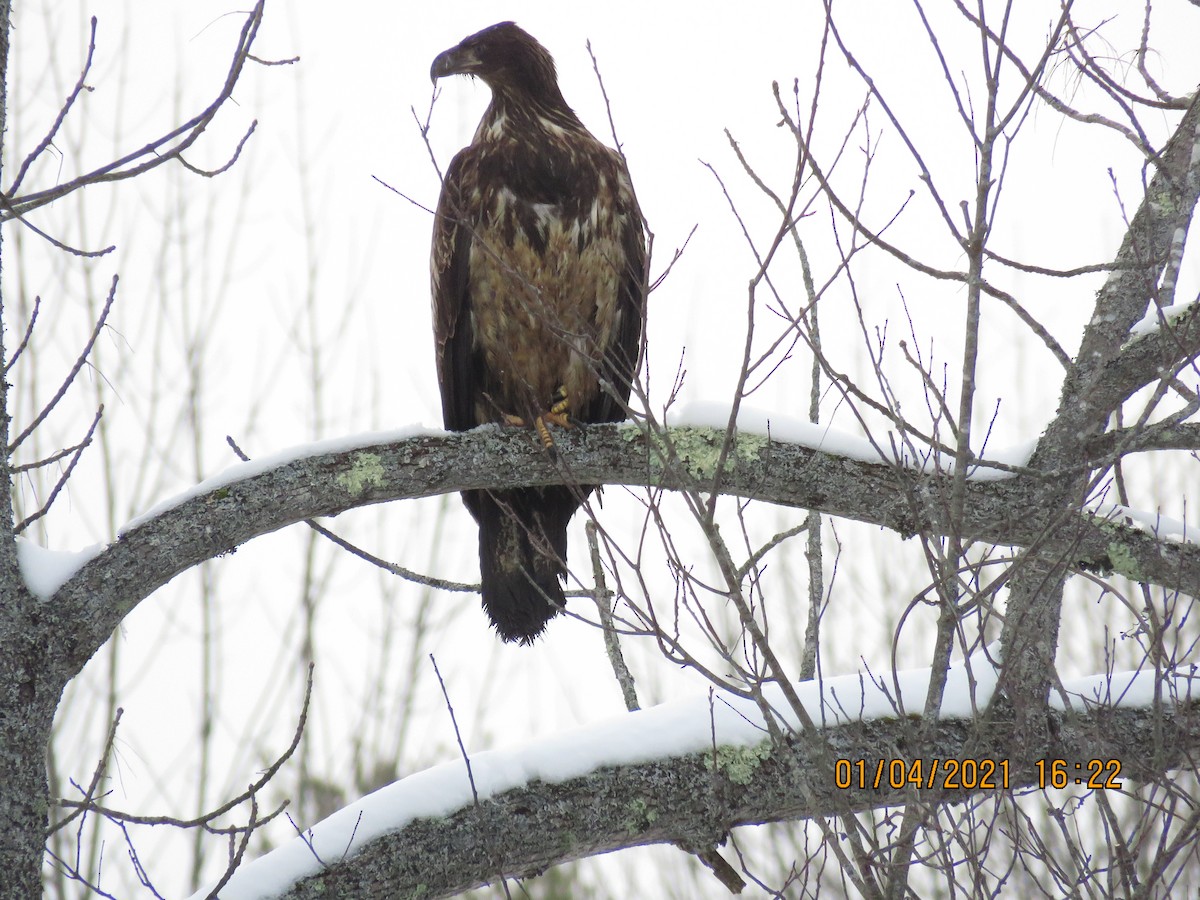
(466,761)
(1061,273)
(48,460)
(423,127)
(80,86)
(205,820)
(417,203)
(1104,449)
(237,152)
(53,241)
(612,644)
(16,354)
(457,734)
(64,478)
(97,776)
(170,146)
(286,61)
(80,361)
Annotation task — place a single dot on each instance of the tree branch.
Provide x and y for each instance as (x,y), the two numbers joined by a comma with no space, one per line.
(684,800)
(1091,392)
(228,511)
(167,147)
(1162,353)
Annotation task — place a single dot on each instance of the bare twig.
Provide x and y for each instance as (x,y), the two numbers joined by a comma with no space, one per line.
(205,820)
(465,756)
(16,354)
(80,361)
(423,127)
(612,645)
(64,477)
(53,241)
(169,146)
(97,775)
(80,86)
(457,734)
(417,203)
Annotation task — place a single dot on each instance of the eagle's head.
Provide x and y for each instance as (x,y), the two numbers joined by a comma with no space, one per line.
(509,59)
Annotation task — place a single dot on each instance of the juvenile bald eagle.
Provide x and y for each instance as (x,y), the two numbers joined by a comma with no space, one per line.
(538,297)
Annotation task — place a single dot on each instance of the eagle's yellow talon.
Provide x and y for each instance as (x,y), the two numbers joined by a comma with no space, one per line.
(560,411)
(559,414)
(560,403)
(539,425)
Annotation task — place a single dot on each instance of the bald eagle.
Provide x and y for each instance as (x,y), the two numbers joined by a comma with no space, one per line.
(538,277)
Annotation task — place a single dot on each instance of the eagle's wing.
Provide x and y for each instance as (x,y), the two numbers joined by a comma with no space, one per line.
(621,361)
(458,362)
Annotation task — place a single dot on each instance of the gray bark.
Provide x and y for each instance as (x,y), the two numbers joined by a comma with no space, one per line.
(28,697)
(27,704)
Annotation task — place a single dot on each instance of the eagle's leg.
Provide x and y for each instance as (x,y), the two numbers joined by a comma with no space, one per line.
(560,411)
(543,433)
(558,414)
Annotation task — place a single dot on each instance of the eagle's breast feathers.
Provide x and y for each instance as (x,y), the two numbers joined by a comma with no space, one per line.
(541,224)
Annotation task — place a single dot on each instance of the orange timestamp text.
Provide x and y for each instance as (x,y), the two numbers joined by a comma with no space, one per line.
(944,774)
(1094,774)
(971,774)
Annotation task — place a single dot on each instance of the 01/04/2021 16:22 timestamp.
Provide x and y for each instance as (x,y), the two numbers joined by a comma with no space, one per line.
(971,774)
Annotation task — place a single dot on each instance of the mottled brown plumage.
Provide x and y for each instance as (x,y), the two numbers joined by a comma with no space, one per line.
(538,287)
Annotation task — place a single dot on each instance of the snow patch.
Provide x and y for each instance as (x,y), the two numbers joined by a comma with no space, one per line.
(1157,318)
(1162,527)
(45,571)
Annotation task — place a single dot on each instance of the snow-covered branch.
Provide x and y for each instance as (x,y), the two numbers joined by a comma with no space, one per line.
(256,498)
(688,772)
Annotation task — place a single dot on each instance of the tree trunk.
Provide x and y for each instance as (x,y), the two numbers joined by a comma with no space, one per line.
(27,704)
(28,694)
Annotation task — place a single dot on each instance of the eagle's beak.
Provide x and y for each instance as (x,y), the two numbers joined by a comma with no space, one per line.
(455,61)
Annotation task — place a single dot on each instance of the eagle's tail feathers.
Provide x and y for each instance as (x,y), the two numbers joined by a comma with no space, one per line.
(522,557)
